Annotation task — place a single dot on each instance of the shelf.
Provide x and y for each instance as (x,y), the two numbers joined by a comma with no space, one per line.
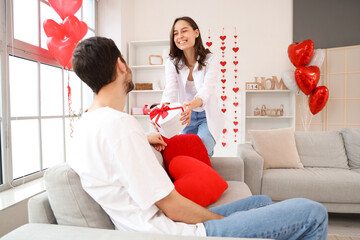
(140,116)
(150,43)
(147,67)
(267,117)
(268,91)
(147,91)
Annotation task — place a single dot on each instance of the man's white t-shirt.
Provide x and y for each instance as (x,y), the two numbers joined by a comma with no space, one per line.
(119,170)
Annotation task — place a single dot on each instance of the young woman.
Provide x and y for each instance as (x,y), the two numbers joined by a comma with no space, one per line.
(191,78)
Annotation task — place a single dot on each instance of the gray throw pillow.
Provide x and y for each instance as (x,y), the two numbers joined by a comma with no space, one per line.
(321,149)
(352,145)
(70,203)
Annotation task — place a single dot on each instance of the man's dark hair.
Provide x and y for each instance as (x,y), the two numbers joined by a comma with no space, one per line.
(94,61)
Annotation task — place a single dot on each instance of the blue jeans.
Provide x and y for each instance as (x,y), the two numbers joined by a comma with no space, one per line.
(258,217)
(198,125)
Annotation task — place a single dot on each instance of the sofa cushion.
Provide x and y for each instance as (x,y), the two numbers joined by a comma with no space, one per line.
(70,203)
(329,185)
(277,147)
(352,145)
(236,190)
(321,149)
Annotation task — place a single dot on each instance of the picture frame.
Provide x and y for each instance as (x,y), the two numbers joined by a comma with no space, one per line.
(155,60)
(251,86)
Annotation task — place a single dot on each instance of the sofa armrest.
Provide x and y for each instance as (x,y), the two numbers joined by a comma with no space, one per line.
(254,165)
(229,168)
(39,210)
(59,232)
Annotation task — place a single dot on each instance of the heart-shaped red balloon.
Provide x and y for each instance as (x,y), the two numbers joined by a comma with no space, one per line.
(318,99)
(61,50)
(53,29)
(74,28)
(65,7)
(300,53)
(307,78)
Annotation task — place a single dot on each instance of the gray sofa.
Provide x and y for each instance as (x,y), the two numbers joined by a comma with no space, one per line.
(331,173)
(66,211)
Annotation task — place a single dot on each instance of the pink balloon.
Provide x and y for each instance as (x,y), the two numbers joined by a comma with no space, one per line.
(53,29)
(65,7)
(74,28)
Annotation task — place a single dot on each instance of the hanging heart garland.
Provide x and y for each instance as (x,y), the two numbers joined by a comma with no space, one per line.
(236,87)
(223,80)
(209,42)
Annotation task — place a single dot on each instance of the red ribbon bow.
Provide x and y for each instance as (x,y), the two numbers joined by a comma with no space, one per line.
(163,112)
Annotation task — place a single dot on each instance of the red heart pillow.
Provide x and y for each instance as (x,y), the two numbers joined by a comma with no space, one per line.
(185,145)
(196,180)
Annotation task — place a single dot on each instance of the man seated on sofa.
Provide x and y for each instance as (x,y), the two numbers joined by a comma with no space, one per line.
(118,169)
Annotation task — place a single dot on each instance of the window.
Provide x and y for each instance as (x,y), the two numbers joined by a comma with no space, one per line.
(35,122)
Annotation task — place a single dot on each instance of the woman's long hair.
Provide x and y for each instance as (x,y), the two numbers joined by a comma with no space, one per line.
(178,55)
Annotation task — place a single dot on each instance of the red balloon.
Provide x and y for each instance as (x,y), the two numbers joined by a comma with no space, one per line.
(65,7)
(318,99)
(300,53)
(307,78)
(74,28)
(61,50)
(53,29)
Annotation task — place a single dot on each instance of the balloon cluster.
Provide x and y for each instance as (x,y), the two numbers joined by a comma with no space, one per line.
(63,37)
(307,74)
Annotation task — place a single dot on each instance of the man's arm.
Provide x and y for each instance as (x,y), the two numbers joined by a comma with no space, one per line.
(181,209)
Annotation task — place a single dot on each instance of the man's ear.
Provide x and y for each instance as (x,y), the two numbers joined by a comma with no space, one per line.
(120,65)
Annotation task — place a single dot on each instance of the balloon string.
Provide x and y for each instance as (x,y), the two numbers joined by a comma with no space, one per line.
(302,111)
(71,118)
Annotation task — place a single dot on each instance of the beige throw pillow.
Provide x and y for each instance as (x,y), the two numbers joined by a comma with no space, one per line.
(277,147)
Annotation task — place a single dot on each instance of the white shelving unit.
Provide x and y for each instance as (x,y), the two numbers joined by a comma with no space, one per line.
(143,72)
(271,99)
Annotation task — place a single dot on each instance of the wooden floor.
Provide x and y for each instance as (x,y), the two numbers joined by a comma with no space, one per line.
(334,237)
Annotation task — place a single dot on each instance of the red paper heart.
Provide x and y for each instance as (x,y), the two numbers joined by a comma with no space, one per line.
(223,98)
(300,53)
(235,123)
(223,80)
(209,44)
(236,62)
(235,36)
(235,76)
(223,110)
(236,89)
(307,78)
(74,28)
(223,38)
(236,130)
(223,63)
(235,70)
(223,70)
(235,42)
(224,144)
(223,87)
(223,48)
(235,49)
(61,50)
(236,104)
(224,130)
(318,99)
(65,7)
(53,29)
(223,43)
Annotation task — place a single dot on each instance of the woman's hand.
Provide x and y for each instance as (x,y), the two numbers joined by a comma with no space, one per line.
(157,141)
(189,106)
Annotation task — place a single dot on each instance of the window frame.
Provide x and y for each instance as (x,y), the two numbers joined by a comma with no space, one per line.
(17,48)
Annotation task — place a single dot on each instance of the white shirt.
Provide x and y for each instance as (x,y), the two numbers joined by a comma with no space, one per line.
(119,170)
(205,82)
(191,92)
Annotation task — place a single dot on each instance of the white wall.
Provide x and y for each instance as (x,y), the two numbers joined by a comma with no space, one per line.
(264,28)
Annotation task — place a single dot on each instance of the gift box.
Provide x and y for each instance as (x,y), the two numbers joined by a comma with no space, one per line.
(167,119)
